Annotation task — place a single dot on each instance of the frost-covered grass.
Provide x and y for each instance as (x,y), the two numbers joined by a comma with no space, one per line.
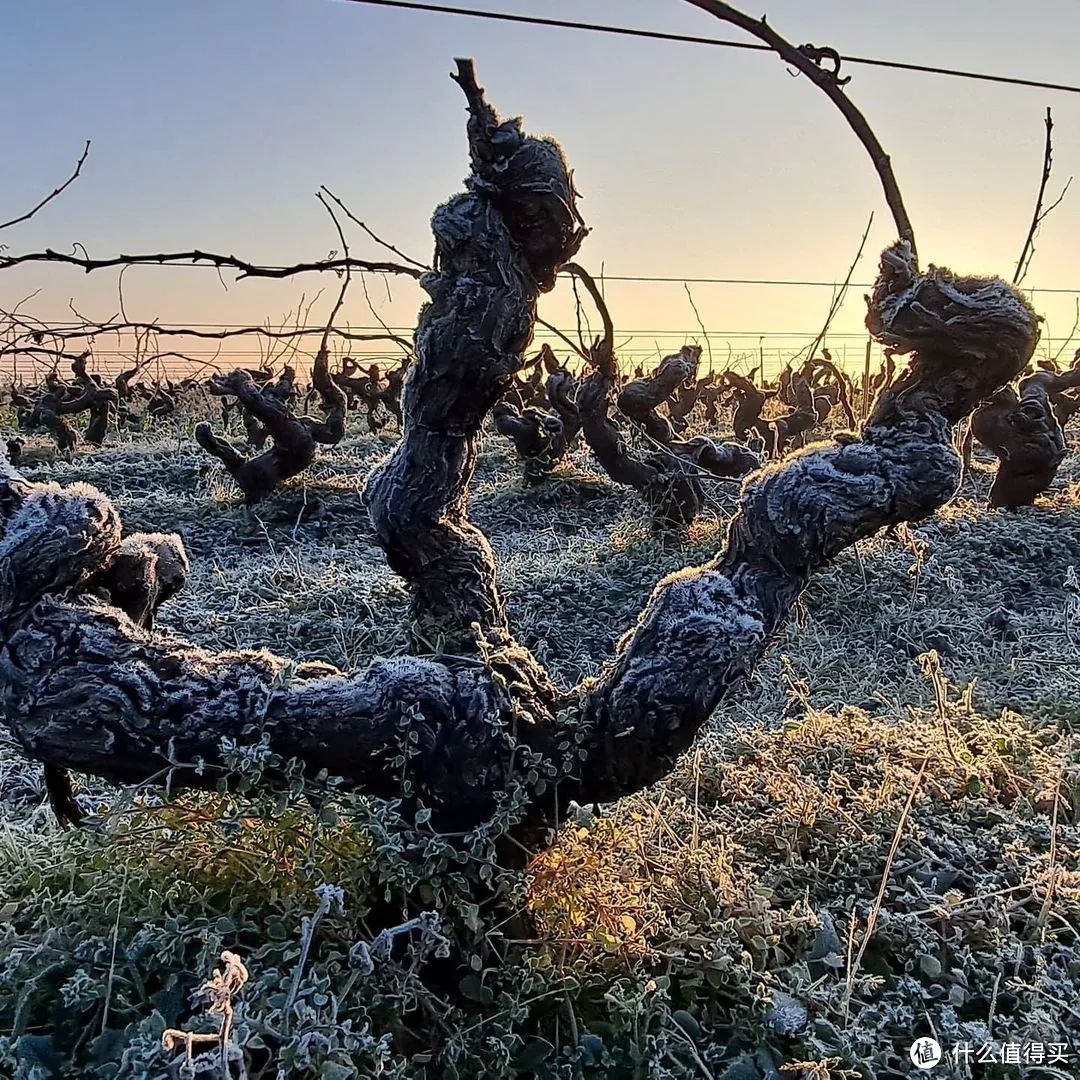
(726,923)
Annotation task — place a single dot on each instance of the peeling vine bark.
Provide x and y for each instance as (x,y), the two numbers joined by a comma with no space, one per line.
(61,399)
(48,413)
(641,398)
(368,389)
(838,392)
(84,686)
(749,402)
(681,404)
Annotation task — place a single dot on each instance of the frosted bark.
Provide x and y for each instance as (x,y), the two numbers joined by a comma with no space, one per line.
(84,686)
(497,248)
(267,412)
(1023,427)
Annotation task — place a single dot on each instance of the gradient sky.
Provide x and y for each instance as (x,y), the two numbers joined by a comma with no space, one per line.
(215,121)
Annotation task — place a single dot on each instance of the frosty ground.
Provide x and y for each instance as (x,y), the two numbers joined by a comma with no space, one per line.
(743,917)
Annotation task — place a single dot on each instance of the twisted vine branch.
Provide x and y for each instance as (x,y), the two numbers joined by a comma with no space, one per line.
(83,686)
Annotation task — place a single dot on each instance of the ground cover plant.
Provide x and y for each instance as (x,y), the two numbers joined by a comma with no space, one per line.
(373,782)
(690,922)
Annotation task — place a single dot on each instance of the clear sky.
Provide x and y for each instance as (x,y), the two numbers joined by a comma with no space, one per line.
(215,121)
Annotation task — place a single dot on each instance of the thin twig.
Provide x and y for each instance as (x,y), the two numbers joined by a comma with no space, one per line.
(555,330)
(347,276)
(875,911)
(832,86)
(1066,342)
(90,328)
(49,198)
(602,354)
(1051,883)
(378,240)
(838,297)
(697,315)
(1027,252)
(115,939)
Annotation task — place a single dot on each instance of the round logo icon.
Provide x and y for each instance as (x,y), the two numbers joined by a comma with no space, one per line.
(925,1053)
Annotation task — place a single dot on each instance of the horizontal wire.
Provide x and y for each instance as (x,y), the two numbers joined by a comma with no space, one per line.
(694,39)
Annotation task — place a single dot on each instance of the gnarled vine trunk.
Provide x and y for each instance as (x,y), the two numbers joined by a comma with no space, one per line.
(267,412)
(83,686)
(1024,429)
(669,477)
(541,439)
